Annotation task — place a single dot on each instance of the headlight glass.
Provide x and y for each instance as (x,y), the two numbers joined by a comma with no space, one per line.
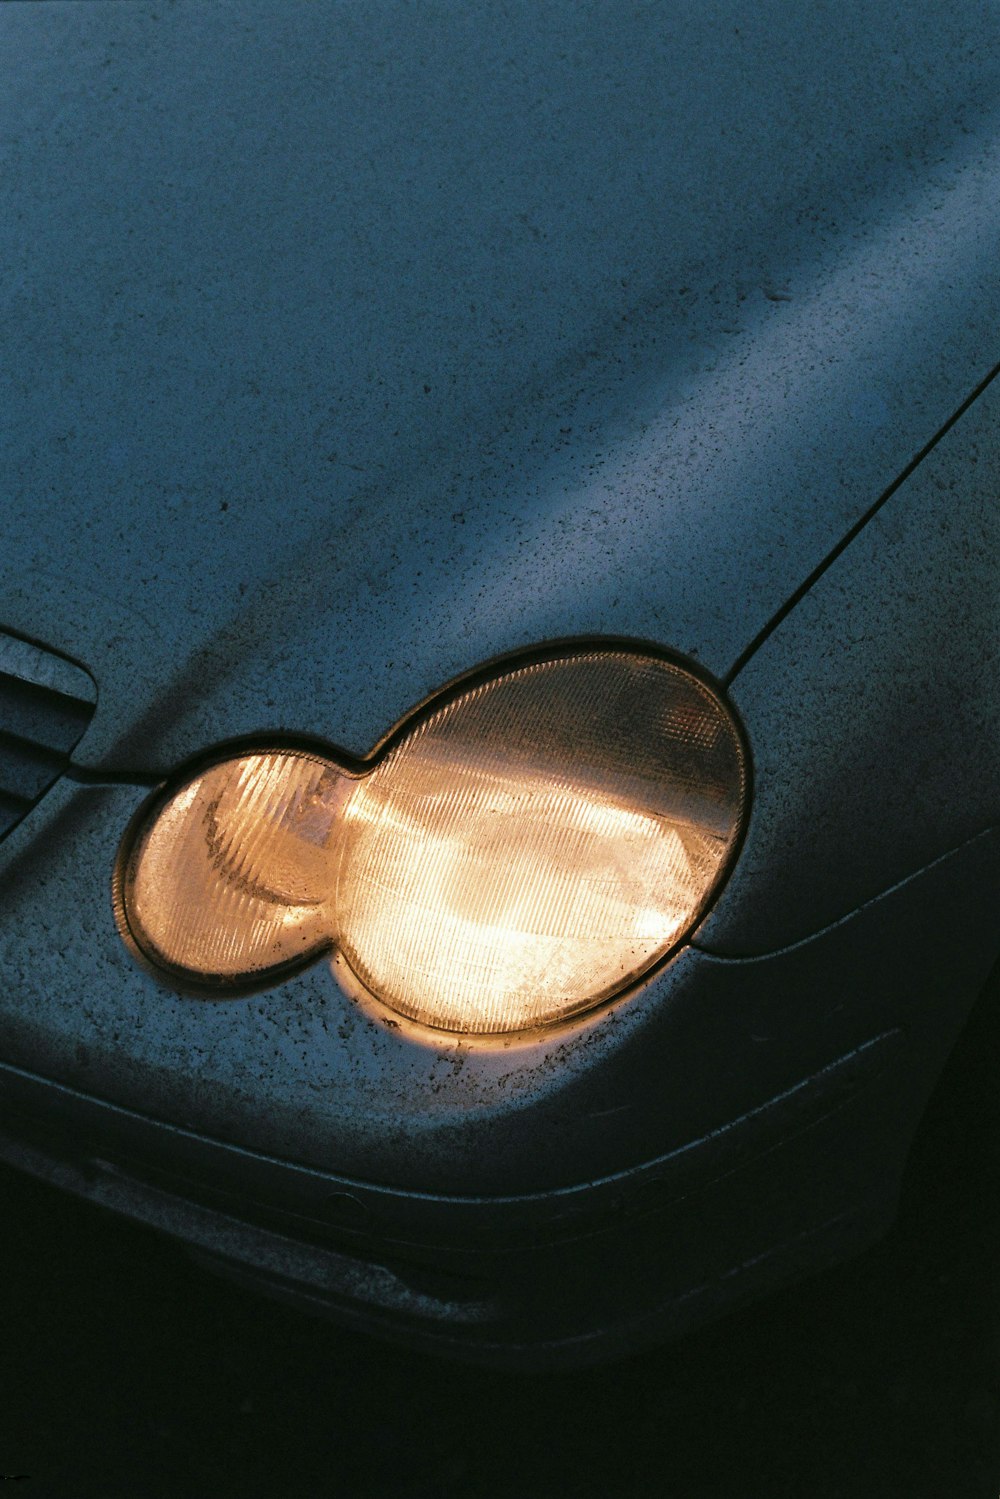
(518,854)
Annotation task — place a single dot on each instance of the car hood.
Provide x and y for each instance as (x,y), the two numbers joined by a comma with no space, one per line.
(347,347)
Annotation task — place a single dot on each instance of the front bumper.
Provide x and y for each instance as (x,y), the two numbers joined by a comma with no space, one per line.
(740,1123)
(563,1277)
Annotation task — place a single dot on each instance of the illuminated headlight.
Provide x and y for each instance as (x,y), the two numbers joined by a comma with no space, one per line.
(515,853)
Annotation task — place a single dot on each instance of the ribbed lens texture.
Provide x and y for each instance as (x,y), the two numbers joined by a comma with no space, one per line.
(522,853)
(538,843)
(233,876)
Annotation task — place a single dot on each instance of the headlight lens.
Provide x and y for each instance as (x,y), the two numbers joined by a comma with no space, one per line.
(515,856)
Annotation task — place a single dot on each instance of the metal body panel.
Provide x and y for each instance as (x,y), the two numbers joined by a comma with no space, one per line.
(346,348)
(306,1072)
(598,1266)
(874,707)
(557,1278)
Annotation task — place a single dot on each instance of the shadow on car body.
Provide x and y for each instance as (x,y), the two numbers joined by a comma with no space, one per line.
(125,1369)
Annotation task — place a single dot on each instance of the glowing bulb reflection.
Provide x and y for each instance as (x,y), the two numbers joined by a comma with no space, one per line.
(523,852)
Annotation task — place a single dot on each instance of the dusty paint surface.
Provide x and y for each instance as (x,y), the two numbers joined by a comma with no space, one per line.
(872,709)
(345,348)
(305,1072)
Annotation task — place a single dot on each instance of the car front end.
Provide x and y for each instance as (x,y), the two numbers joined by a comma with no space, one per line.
(402,365)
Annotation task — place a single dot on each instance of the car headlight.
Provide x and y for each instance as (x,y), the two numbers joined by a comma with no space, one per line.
(516,853)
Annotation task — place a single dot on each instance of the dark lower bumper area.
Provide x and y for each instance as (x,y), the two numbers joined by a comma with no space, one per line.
(563,1277)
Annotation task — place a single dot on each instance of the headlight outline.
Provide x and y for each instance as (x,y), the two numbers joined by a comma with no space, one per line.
(201,986)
